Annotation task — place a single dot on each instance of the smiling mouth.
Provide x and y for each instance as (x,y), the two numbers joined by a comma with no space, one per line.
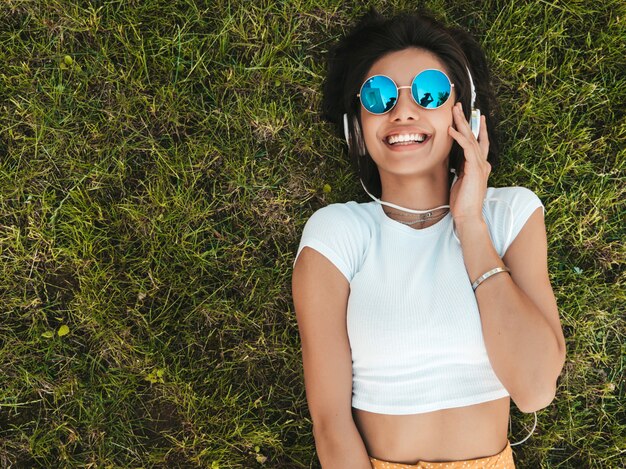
(406,139)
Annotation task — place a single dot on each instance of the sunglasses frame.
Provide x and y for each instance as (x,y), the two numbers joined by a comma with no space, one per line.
(398,88)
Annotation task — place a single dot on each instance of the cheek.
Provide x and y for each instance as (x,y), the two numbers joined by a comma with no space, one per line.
(368,128)
(444,121)
(446,117)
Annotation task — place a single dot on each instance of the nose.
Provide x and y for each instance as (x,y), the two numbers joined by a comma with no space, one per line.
(405,108)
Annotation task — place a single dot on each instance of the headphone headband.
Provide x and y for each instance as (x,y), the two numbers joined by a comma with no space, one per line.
(472,85)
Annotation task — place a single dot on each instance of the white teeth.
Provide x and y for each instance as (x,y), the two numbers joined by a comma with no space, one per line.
(406,138)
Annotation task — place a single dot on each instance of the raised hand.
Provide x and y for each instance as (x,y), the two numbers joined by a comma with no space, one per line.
(468,193)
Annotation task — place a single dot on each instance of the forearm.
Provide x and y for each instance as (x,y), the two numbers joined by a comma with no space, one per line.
(521,345)
(340,447)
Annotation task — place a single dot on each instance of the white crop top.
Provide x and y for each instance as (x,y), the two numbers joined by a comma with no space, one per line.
(412,317)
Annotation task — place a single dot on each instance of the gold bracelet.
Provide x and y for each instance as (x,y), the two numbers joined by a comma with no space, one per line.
(486,275)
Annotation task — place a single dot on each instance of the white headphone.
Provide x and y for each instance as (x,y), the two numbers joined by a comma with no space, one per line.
(475,115)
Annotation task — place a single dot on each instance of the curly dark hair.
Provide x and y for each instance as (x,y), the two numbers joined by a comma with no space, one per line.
(374,36)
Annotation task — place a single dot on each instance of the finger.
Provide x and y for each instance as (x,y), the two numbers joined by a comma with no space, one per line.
(483,137)
(462,124)
(471,154)
(469,146)
(460,138)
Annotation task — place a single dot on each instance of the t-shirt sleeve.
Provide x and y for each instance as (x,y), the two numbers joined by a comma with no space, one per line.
(334,232)
(507,211)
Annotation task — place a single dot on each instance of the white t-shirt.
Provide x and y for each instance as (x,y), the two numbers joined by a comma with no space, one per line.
(412,317)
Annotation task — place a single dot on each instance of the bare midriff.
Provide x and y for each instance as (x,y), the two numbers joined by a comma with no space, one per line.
(460,433)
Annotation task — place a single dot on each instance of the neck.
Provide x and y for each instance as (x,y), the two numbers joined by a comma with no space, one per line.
(417,192)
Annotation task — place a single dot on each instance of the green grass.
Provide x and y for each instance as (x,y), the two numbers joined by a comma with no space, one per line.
(158,161)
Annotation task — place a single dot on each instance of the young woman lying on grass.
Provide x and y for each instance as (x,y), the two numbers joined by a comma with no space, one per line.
(423,312)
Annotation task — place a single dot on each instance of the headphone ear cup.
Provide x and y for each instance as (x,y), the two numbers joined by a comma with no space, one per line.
(475,122)
(475,115)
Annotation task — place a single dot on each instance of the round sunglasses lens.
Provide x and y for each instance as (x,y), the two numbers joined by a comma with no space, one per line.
(431,89)
(379,94)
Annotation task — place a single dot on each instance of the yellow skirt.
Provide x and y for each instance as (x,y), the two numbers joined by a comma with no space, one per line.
(502,460)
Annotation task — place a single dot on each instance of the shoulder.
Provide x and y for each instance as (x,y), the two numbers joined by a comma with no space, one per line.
(506,210)
(349,215)
(341,232)
(514,194)
(517,199)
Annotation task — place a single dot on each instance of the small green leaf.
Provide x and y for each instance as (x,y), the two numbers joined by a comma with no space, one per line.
(48,334)
(156,376)
(327,188)
(261,459)
(68,60)
(215,465)
(63,330)
(257,449)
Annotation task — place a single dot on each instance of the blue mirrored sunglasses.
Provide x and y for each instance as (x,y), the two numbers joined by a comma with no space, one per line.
(430,89)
